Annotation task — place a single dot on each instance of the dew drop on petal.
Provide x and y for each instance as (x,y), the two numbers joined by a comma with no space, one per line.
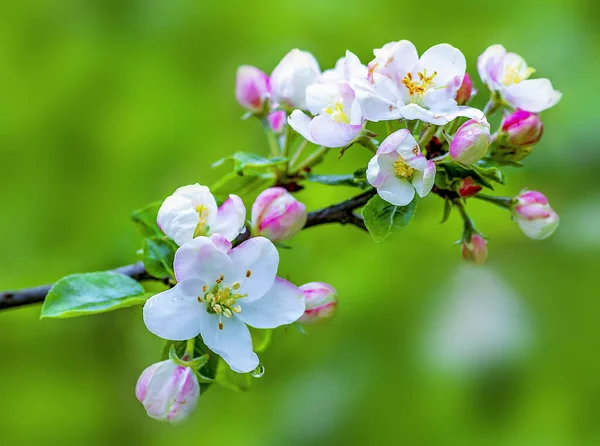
(258,372)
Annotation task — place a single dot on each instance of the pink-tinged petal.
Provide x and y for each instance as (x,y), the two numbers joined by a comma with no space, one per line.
(282,305)
(263,202)
(141,388)
(328,133)
(489,65)
(396,191)
(379,100)
(423,181)
(201,259)
(532,196)
(540,228)
(231,341)
(448,62)
(251,87)
(174,314)
(299,121)
(255,265)
(533,95)
(186,397)
(394,60)
(231,218)
(395,140)
(374,173)
(221,243)
(277,121)
(533,211)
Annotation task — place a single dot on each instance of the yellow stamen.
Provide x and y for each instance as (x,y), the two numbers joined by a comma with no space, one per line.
(402,169)
(421,86)
(337,113)
(202,226)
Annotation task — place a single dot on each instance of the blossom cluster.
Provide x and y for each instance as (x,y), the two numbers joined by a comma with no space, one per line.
(224,281)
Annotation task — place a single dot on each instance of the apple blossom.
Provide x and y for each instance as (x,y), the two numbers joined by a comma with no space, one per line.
(508,74)
(398,169)
(338,120)
(321,302)
(168,391)
(521,128)
(219,291)
(296,71)
(475,250)
(534,215)
(277,215)
(251,88)
(399,84)
(471,141)
(192,211)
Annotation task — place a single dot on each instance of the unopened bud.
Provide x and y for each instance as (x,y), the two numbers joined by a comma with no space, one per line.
(475,250)
(321,301)
(468,187)
(534,215)
(277,121)
(465,92)
(290,78)
(168,391)
(277,215)
(521,128)
(251,88)
(471,142)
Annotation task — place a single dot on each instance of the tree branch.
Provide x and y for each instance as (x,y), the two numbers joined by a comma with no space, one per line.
(342,213)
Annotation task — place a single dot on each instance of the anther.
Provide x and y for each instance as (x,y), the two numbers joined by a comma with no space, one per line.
(205,288)
(248,274)
(227,312)
(237,309)
(220,325)
(236,286)
(217,308)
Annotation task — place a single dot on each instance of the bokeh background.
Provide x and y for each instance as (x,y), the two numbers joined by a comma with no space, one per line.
(109,105)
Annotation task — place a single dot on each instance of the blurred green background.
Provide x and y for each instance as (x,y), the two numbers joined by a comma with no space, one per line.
(109,105)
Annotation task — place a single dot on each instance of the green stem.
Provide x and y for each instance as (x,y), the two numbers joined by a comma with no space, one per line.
(469,225)
(503,202)
(271,139)
(311,160)
(492,106)
(298,154)
(429,132)
(190,348)
(389,126)
(368,143)
(287,141)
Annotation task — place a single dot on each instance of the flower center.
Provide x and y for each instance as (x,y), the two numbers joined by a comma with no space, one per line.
(420,86)
(515,73)
(202,226)
(222,299)
(337,113)
(402,169)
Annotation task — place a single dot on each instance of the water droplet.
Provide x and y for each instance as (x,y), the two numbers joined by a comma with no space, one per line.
(259,371)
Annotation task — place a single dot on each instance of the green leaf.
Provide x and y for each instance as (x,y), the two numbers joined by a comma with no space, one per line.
(145,220)
(243,161)
(158,255)
(241,185)
(483,174)
(339,180)
(261,339)
(225,377)
(382,218)
(91,293)
(209,370)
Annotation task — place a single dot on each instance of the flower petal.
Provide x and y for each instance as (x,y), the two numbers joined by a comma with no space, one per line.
(232,342)
(299,121)
(326,132)
(532,95)
(396,191)
(174,314)
(403,143)
(201,259)
(439,117)
(378,99)
(423,181)
(282,305)
(255,265)
(448,63)
(489,65)
(231,218)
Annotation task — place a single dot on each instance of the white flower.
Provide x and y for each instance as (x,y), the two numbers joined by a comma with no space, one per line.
(296,71)
(402,85)
(192,211)
(219,291)
(338,119)
(508,74)
(399,169)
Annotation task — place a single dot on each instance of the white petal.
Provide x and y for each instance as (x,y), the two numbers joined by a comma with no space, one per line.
(321,96)
(374,176)
(423,181)
(231,218)
(353,67)
(395,60)
(282,305)
(326,132)
(448,62)
(255,265)
(403,143)
(299,121)
(396,191)
(532,95)
(378,99)
(489,65)
(202,259)
(175,314)
(233,342)
(439,117)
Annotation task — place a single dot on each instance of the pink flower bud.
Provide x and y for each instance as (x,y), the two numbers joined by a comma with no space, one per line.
(277,121)
(475,250)
(534,215)
(168,391)
(468,188)
(471,142)
(251,88)
(277,215)
(321,302)
(464,93)
(522,128)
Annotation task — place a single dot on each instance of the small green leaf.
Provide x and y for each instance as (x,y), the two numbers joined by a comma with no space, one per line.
(382,218)
(243,161)
(241,185)
(209,370)
(339,180)
(91,293)
(261,339)
(225,377)
(158,255)
(145,220)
